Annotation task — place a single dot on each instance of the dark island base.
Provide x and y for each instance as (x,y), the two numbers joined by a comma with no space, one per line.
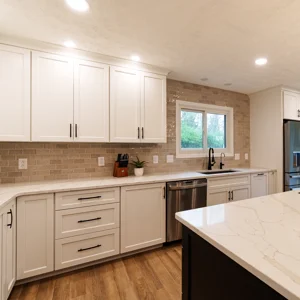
(208,274)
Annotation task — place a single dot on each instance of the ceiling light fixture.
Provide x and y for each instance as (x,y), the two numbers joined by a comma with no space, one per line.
(69,44)
(135,58)
(228,84)
(261,61)
(78,5)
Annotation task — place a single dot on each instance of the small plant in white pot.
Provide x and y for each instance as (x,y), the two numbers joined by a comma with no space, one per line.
(138,166)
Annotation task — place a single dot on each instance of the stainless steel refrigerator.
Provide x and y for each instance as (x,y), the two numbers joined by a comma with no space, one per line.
(291,155)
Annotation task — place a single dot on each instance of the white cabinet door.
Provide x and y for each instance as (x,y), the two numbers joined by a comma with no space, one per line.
(125,105)
(240,193)
(9,238)
(91,102)
(153,108)
(2,258)
(14,94)
(259,185)
(272,180)
(35,235)
(52,97)
(217,196)
(291,105)
(143,216)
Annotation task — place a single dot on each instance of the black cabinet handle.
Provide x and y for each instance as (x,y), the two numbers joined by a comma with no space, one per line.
(260,174)
(11,220)
(89,220)
(232,195)
(229,196)
(76,130)
(138,132)
(142,132)
(88,198)
(84,249)
(70,130)
(298,113)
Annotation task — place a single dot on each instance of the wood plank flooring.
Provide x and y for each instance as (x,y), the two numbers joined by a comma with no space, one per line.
(152,275)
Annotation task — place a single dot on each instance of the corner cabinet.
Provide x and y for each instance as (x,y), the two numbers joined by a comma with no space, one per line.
(291,105)
(136,99)
(14,94)
(143,216)
(7,249)
(35,235)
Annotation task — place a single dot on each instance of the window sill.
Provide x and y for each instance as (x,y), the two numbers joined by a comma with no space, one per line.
(201,155)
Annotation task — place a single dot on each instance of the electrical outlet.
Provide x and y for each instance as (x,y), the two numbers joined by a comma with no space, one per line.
(246,156)
(237,156)
(101,161)
(170,158)
(22,163)
(155,159)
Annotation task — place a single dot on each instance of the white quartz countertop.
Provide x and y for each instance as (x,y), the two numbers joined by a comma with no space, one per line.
(260,234)
(11,191)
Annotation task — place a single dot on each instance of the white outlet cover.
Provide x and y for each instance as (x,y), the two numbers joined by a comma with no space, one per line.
(22,164)
(101,161)
(155,159)
(246,156)
(237,156)
(170,158)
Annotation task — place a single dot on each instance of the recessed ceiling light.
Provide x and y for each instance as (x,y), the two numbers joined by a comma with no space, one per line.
(135,58)
(261,61)
(69,44)
(228,83)
(78,5)
(204,79)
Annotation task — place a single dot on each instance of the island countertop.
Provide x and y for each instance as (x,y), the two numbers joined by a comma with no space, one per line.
(261,234)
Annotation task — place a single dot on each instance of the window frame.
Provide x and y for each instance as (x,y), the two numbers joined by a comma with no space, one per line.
(205,109)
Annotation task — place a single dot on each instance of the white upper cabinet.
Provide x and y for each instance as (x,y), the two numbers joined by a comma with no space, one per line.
(137,106)
(153,108)
(52,97)
(291,102)
(125,105)
(14,94)
(91,102)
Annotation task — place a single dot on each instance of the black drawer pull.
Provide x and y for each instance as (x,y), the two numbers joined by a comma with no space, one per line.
(88,198)
(89,220)
(260,174)
(84,249)
(11,220)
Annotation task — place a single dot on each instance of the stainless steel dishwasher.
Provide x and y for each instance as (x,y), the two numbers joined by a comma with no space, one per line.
(183,195)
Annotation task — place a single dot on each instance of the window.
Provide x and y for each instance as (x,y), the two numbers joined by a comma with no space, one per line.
(203,126)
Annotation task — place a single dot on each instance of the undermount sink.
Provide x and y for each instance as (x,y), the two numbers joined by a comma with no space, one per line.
(218,172)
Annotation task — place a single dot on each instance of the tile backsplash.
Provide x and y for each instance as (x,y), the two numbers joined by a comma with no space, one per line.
(49,161)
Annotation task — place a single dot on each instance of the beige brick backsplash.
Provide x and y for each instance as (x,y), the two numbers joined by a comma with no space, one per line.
(49,161)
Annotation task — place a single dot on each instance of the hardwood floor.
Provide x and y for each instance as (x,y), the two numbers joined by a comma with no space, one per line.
(151,275)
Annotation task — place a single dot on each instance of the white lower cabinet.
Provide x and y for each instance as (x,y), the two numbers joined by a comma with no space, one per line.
(240,193)
(272,182)
(217,196)
(35,235)
(259,185)
(8,249)
(143,216)
(81,249)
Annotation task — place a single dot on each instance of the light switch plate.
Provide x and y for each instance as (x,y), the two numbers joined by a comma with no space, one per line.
(237,156)
(246,156)
(22,163)
(155,159)
(101,161)
(170,159)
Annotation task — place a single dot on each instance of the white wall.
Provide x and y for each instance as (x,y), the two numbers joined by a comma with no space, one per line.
(266,131)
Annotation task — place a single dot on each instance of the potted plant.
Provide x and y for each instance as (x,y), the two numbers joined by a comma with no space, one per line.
(138,166)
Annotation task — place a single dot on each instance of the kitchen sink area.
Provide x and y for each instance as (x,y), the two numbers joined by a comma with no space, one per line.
(218,172)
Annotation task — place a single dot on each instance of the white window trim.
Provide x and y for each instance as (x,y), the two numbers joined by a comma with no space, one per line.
(206,108)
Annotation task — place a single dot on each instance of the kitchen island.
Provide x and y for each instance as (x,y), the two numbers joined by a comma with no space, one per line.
(247,249)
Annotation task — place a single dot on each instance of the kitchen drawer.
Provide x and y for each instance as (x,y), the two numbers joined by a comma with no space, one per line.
(76,221)
(84,198)
(228,180)
(81,249)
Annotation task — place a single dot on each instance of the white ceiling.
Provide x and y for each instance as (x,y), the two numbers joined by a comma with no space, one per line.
(217,39)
